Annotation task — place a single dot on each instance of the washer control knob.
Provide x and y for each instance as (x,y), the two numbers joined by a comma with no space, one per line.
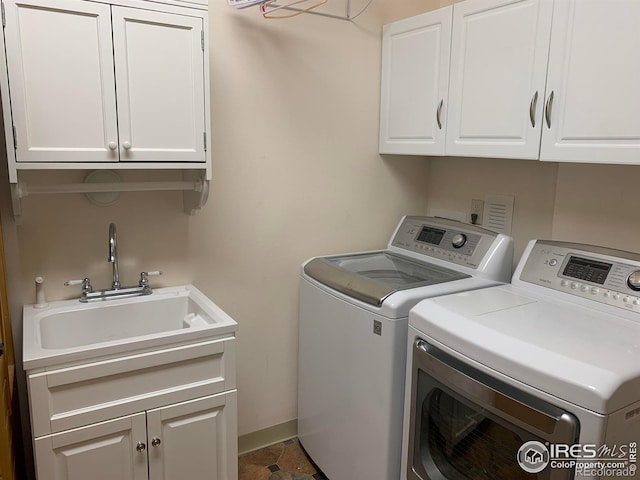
(574,285)
(616,296)
(633,280)
(636,301)
(459,239)
(584,288)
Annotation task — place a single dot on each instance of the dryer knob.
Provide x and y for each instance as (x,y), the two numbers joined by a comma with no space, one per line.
(458,240)
(633,280)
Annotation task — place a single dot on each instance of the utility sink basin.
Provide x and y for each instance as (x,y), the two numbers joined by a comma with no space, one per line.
(69,330)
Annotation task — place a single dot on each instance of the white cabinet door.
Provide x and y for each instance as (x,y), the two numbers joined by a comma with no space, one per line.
(194,440)
(415,77)
(60,116)
(499,57)
(594,76)
(160,79)
(104,451)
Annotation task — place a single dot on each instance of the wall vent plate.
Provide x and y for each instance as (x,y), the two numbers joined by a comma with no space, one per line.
(498,213)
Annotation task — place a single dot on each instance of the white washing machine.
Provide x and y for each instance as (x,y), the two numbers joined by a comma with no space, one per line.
(353,330)
(539,379)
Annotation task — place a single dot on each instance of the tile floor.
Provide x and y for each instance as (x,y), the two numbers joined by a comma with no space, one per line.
(282,461)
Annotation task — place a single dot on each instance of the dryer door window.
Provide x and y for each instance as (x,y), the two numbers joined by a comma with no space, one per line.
(468,426)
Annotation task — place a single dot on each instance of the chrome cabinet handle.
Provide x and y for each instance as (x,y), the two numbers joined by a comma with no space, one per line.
(155,442)
(141,447)
(547,109)
(532,109)
(126,145)
(438,114)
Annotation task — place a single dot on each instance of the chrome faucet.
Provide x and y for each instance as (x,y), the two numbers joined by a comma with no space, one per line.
(113,255)
(116,291)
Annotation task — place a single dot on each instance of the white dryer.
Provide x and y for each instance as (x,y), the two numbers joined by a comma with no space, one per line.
(352,337)
(536,379)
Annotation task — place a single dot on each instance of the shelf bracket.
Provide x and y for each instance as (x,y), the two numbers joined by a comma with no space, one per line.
(194,186)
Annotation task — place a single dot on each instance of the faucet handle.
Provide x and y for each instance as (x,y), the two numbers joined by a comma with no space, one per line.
(85,282)
(144,277)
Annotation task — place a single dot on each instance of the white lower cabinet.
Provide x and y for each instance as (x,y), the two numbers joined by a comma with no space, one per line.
(104,451)
(190,440)
(193,440)
(166,413)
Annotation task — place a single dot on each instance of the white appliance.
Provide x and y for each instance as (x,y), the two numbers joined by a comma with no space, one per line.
(536,379)
(353,330)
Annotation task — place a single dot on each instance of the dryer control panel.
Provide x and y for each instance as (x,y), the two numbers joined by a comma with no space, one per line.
(447,240)
(600,274)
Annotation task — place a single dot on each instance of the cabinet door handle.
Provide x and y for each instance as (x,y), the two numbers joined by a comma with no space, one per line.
(532,109)
(547,109)
(141,447)
(439,113)
(113,145)
(126,145)
(155,442)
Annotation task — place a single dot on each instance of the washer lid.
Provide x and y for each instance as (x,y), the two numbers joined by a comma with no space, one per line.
(372,277)
(587,357)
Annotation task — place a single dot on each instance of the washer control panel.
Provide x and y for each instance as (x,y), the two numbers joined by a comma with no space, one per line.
(600,274)
(447,240)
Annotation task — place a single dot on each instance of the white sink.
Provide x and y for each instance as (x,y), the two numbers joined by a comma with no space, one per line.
(69,330)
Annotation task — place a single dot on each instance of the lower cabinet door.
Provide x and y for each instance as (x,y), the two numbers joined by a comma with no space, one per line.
(195,440)
(115,449)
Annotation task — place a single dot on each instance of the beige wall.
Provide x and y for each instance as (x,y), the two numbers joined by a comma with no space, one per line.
(453,182)
(594,204)
(296,174)
(598,204)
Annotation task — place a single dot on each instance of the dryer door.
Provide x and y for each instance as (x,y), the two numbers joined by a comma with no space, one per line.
(466,425)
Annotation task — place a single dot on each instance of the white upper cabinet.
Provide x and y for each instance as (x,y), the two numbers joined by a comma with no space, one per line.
(497,83)
(114,83)
(415,76)
(60,61)
(533,79)
(160,84)
(594,77)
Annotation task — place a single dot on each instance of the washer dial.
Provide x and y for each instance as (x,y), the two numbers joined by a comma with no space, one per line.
(633,280)
(459,239)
